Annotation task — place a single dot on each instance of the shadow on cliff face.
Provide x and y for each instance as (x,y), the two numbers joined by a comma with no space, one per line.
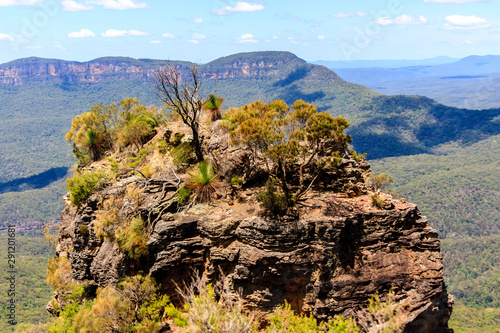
(350,238)
(34,182)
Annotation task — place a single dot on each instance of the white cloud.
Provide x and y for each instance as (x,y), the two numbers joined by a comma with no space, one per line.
(468,42)
(73,6)
(119,4)
(276,37)
(81,34)
(6,37)
(246,38)
(194,41)
(460,22)
(240,7)
(403,19)
(198,36)
(350,14)
(198,20)
(123,33)
(168,35)
(9,3)
(454,1)
(58,46)
(321,37)
(137,33)
(114,33)
(155,42)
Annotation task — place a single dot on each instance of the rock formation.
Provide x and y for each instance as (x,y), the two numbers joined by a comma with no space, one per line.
(327,257)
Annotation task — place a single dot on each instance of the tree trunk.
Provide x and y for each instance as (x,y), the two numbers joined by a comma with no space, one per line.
(197,145)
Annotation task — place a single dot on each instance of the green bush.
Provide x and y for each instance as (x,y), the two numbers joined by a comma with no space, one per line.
(139,158)
(134,306)
(84,183)
(357,157)
(183,155)
(273,203)
(377,201)
(132,240)
(380,181)
(284,320)
(84,230)
(183,195)
(136,133)
(236,181)
(162,146)
(81,154)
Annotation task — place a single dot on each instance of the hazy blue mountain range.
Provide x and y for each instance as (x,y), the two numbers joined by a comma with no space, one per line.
(384,63)
(471,82)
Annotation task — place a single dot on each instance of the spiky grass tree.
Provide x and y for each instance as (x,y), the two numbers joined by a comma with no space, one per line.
(93,141)
(213,106)
(203,181)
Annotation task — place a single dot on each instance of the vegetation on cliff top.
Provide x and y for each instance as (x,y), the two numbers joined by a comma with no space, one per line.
(289,142)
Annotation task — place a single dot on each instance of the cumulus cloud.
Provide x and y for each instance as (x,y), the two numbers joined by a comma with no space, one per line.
(198,20)
(454,1)
(155,42)
(9,3)
(246,38)
(123,33)
(240,7)
(6,37)
(81,34)
(194,41)
(73,6)
(461,22)
(137,33)
(403,19)
(349,14)
(119,4)
(168,35)
(321,37)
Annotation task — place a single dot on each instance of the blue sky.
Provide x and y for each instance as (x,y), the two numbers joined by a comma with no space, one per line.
(203,30)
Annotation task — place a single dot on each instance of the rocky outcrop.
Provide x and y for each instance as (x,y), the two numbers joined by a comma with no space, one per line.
(329,257)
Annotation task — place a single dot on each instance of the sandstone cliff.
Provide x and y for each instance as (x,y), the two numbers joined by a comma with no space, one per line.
(329,257)
(257,64)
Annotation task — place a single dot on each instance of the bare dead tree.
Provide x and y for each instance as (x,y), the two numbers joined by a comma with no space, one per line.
(182,95)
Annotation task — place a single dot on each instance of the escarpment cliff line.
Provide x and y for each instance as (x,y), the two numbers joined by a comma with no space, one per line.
(256,64)
(327,257)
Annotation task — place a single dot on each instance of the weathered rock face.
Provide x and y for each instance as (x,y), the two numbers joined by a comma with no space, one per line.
(329,258)
(98,70)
